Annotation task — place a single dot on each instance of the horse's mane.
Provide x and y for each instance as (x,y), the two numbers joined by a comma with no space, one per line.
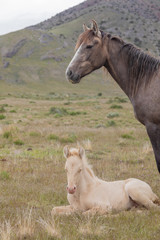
(141,66)
(88,167)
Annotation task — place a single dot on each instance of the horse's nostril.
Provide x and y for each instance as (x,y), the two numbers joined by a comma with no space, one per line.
(69,73)
(74,188)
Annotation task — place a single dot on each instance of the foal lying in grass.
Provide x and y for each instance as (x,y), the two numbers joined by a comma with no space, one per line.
(89,194)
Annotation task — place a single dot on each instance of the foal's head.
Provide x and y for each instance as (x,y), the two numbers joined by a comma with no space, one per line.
(74,166)
(90,54)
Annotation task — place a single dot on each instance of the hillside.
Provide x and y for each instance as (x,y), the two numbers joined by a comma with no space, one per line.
(40,113)
(38,55)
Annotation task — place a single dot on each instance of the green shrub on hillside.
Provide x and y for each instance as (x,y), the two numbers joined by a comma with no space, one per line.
(7,134)
(115,106)
(2,109)
(19,142)
(112,115)
(2,117)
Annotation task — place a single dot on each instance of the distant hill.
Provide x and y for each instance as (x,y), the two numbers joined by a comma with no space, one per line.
(40,53)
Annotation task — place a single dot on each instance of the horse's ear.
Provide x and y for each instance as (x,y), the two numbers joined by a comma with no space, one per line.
(85,28)
(81,152)
(95,28)
(66,151)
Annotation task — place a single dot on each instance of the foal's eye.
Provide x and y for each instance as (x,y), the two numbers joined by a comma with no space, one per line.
(79,170)
(89,46)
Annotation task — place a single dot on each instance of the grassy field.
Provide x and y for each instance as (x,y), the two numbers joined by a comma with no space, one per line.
(33,131)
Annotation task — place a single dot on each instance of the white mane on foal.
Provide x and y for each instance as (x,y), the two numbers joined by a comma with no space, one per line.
(77,152)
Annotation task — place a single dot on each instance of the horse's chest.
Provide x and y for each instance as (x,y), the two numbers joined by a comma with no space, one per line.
(73,200)
(146,105)
(146,112)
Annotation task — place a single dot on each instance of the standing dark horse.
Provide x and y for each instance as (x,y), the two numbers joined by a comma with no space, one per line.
(137,73)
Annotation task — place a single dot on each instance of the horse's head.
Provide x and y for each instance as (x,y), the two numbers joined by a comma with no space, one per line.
(90,54)
(73,167)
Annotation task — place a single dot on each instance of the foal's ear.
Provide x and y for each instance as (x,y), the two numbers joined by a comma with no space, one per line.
(66,151)
(81,152)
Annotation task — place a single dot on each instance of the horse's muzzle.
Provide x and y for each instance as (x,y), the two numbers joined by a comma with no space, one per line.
(71,190)
(72,77)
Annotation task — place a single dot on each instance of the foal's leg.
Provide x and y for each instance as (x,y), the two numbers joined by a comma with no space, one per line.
(101,209)
(63,210)
(141,193)
(153,131)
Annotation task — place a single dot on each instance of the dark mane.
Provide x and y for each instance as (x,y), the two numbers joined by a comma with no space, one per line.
(141,66)
(116,38)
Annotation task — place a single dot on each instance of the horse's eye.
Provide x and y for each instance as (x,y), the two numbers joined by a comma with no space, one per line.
(79,170)
(89,46)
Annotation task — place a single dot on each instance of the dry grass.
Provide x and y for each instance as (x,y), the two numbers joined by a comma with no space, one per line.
(90,227)
(32,174)
(87,145)
(50,226)
(25,224)
(5,230)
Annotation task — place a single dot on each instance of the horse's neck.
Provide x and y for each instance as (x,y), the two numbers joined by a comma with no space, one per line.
(117,67)
(86,181)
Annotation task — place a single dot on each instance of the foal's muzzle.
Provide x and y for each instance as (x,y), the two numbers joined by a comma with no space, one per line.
(71,190)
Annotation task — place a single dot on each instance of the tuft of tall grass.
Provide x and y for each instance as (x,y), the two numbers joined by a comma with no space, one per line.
(87,145)
(51,227)
(5,230)
(112,115)
(90,228)
(25,225)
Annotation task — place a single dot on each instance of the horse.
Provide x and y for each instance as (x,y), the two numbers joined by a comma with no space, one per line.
(89,194)
(137,73)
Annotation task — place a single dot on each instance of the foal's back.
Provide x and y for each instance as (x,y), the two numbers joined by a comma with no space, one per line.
(111,193)
(124,194)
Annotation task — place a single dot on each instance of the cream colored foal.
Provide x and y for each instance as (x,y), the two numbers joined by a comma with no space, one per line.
(89,194)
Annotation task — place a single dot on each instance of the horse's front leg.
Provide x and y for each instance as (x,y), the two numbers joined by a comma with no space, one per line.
(63,210)
(153,131)
(98,210)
